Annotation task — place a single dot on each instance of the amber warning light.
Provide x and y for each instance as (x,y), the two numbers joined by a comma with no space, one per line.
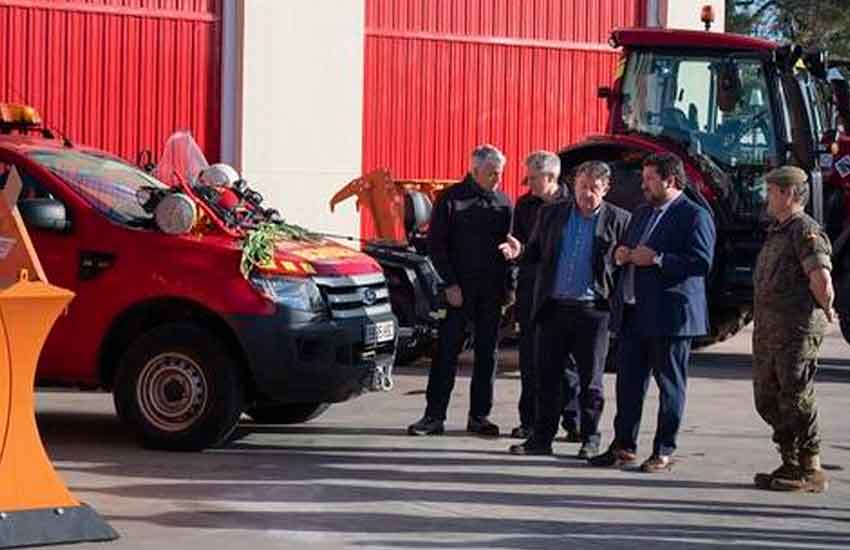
(707,16)
(15,114)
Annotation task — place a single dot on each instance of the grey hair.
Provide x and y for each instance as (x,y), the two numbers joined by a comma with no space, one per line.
(544,162)
(487,154)
(596,170)
(801,193)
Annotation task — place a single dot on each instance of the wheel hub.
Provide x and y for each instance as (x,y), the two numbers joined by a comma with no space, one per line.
(172,391)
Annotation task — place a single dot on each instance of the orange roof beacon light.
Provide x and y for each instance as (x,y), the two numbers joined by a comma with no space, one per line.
(18,115)
(35,506)
(707,16)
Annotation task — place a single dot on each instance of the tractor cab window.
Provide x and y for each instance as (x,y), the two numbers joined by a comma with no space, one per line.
(717,107)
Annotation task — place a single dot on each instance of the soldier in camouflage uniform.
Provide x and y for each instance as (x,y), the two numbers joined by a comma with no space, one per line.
(792,306)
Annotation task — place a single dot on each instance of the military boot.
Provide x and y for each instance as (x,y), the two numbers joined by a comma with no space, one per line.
(810,478)
(789,469)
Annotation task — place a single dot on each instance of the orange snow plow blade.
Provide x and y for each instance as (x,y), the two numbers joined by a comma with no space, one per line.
(35,506)
(383,198)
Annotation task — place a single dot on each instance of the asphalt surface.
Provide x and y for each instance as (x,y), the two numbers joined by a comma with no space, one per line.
(353,479)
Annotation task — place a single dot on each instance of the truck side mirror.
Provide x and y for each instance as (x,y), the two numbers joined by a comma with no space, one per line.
(49,214)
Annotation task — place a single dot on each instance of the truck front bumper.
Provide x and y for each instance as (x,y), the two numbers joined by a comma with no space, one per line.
(325,361)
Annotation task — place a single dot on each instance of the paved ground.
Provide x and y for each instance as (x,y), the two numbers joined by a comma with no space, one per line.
(352,479)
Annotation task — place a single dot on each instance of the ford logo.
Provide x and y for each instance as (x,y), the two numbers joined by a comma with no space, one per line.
(369,296)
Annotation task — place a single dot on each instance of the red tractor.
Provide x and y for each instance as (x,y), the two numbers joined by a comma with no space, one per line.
(732,107)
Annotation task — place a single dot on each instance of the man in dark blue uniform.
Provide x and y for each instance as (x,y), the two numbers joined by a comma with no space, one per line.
(469,222)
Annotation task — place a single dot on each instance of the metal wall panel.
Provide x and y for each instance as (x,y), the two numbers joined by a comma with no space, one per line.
(444,75)
(116,74)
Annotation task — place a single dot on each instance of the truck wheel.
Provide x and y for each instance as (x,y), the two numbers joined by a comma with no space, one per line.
(725,323)
(290,413)
(179,388)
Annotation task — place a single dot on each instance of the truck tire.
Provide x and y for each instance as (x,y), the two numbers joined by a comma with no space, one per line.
(179,389)
(725,323)
(290,413)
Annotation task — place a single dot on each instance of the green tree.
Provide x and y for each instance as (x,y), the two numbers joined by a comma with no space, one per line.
(824,24)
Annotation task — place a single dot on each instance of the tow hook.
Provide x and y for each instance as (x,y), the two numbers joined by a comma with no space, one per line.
(382,380)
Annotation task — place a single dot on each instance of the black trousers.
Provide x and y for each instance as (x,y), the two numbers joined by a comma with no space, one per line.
(580,330)
(528,344)
(482,304)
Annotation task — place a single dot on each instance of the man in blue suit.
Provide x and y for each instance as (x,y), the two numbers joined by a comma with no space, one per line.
(658,307)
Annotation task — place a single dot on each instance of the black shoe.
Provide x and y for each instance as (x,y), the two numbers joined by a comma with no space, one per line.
(613,458)
(426,426)
(530,448)
(588,451)
(481,425)
(521,432)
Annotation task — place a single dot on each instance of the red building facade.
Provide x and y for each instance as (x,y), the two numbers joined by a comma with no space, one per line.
(120,75)
(444,75)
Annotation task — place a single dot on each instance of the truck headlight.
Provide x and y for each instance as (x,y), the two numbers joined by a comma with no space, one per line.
(295,293)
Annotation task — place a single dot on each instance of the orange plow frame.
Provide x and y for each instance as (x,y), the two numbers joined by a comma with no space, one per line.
(35,506)
(383,198)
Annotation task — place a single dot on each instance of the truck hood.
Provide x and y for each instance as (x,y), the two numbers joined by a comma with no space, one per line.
(320,257)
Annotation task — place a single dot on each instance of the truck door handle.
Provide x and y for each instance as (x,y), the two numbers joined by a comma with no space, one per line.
(93,263)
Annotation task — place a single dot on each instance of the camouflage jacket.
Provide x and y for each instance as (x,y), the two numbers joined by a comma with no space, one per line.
(783,304)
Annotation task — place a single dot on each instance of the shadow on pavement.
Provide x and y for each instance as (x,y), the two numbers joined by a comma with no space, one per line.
(523,533)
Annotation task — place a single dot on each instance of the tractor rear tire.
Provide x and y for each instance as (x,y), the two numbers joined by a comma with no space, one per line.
(725,323)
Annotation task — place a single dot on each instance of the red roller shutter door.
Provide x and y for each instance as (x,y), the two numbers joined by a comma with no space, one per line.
(444,75)
(117,74)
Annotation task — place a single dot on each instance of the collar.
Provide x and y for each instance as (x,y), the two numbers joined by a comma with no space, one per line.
(663,208)
(776,226)
(561,194)
(593,215)
(478,190)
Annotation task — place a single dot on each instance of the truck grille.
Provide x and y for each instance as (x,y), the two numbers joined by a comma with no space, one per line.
(356,295)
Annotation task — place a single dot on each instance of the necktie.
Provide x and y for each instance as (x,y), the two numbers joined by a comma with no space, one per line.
(629,282)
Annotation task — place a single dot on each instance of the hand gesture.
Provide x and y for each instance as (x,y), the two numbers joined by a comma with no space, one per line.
(511,248)
(831,314)
(622,255)
(643,256)
(454,296)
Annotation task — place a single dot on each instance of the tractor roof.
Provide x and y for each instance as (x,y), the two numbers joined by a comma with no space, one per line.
(667,38)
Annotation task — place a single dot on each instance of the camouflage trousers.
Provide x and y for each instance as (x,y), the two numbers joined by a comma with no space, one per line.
(783,385)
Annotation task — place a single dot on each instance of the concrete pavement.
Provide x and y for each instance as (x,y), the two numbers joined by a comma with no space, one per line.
(352,479)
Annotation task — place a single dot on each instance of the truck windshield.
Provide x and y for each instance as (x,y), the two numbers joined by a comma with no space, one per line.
(718,104)
(108,184)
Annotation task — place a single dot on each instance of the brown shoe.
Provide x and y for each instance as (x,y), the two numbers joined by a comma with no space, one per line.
(613,458)
(789,469)
(657,464)
(810,477)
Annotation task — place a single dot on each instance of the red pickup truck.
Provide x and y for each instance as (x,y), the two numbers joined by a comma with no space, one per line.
(168,322)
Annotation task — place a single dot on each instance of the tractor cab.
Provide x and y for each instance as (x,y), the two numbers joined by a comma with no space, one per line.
(733,108)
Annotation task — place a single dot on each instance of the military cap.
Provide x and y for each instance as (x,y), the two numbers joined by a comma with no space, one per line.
(786,176)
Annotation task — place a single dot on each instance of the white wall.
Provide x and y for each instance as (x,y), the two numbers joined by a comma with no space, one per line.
(685,14)
(301,105)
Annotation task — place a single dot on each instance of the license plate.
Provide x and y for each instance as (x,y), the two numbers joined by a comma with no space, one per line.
(380,332)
